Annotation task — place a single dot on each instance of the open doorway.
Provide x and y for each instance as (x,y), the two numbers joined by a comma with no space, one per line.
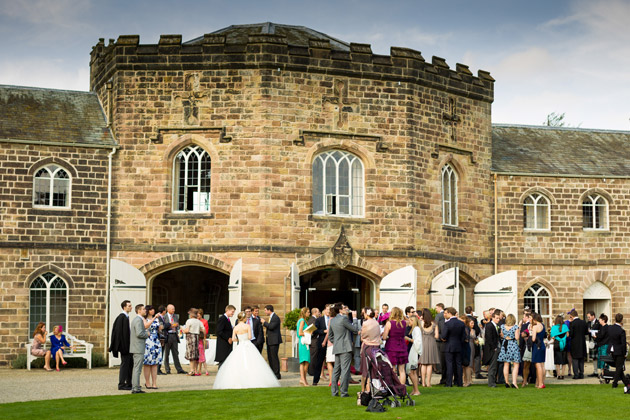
(330,285)
(597,298)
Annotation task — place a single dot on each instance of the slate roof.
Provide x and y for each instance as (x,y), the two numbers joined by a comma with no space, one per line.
(50,115)
(296,35)
(560,151)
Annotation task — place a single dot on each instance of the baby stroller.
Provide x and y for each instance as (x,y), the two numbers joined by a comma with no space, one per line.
(607,374)
(385,387)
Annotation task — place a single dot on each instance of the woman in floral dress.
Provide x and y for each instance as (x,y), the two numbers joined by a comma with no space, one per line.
(510,352)
(152,349)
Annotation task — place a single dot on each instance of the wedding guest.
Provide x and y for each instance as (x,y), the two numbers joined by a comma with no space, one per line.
(137,344)
(152,349)
(617,342)
(577,332)
(569,357)
(477,354)
(119,344)
(224,335)
(304,353)
(454,337)
(203,320)
(340,335)
(491,350)
(356,351)
(525,344)
(274,339)
(313,346)
(415,352)
(395,345)
(601,338)
(472,350)
(384,315)
(192,328)
(39,339)
(162,333)
(330,356)
(258,334)
(538,333)
(57,343)
(321,342)
(593,327)
(430,356)
(510,352)
(171,326)
(370,340)
(202,343)
(559,333)
(439,320)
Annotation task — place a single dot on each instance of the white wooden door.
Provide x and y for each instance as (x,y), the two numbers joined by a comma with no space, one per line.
(295,286)
(126,282)
(445,288)
(235,287)
(499,291)
(398,288)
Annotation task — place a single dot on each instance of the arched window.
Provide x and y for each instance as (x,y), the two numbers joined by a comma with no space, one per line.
(51,187)
(595,212)
(338,184)
(538,299)
(449,196)
(48,302)
(191,173)
(536,212)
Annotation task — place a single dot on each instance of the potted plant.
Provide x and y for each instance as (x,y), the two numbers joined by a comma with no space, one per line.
(290,323)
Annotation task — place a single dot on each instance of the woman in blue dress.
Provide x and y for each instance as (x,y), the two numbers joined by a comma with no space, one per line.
(57,343)
(510,352)
(538,348)
(152,349)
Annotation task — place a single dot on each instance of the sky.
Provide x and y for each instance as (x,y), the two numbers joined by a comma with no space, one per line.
(563,56)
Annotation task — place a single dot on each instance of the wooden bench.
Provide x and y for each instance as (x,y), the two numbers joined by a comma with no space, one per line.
(82,349)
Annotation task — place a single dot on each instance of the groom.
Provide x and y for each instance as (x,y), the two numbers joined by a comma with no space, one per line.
(274,339)
(224,335)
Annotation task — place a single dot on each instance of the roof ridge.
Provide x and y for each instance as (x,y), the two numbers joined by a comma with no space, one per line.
(546,127)
(46,89)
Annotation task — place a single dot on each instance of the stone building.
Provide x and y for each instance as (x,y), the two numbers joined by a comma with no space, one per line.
(273,164)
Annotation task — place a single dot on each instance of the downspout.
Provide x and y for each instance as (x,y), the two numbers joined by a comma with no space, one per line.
(109,246)
(496,227)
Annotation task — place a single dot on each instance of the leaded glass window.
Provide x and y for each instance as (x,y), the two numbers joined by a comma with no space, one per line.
(538,299)
(449,196)
(192,173)
(536,212)
(338,184)
(51,187)
(48,302)
(595,212)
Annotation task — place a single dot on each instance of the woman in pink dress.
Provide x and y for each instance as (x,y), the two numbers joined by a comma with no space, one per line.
(39,339)
(202,344)
(395,346)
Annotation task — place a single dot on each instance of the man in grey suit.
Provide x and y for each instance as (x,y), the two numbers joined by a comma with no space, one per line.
(137,340)
(340,334)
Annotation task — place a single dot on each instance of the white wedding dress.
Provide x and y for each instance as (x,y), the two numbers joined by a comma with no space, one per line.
(245,368)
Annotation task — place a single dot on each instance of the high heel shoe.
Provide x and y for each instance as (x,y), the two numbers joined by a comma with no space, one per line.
(58,370)
(507,385)
(514,386)
(64,363)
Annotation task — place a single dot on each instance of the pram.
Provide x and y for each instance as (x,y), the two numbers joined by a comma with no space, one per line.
(385,387)
(607,374)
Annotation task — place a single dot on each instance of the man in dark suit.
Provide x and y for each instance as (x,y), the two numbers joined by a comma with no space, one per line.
(439,321)
(313,346)
(274,339)
(577,332)
(593,326)
(491,349)
(171,326)
(322,328)
(224,335)
(617,342)
(257,330)
(454,336)
(120,344)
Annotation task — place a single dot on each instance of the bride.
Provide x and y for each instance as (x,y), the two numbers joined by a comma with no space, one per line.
(244,367)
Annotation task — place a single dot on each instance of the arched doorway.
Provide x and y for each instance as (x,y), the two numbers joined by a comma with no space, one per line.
(597,299)
(452,287)
(330,285)
(192,287)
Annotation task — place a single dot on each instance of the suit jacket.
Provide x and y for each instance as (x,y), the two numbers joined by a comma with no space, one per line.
(577,332)
(617,340)
(274,337)
(138,336)
(259,334)
(120,336)
(340,334)
(602,337)
(491,343)
(167,326)
(224,333)
(320,324)
(593,326)
(439,320)
(454,335)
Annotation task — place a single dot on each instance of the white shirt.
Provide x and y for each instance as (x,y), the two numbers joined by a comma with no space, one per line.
(250,322)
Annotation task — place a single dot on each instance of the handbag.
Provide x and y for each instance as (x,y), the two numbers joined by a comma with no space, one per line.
(306,339)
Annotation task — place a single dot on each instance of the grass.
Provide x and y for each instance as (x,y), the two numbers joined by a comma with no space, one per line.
(477,402)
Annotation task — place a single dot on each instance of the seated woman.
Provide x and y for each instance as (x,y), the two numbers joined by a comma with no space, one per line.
(57,343)
(39,339)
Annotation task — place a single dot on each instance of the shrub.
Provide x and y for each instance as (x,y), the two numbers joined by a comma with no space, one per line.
(291,319)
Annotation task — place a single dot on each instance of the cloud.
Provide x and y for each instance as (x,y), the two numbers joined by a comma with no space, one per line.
(54,74)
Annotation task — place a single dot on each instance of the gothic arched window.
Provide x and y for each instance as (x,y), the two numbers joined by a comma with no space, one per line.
(338,184)
(48,302)
(538,299)
(51,187)
(191,173)
(449,196)
(536,212)
(595,212)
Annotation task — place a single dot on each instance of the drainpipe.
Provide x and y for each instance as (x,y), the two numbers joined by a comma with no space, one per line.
(496,227)
(109,247)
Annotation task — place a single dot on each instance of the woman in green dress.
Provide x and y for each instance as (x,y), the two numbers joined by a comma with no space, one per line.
(304,351)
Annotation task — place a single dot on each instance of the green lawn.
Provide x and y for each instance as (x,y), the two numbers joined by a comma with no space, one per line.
(477,402)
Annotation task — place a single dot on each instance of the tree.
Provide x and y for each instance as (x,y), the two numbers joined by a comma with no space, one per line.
(555,120)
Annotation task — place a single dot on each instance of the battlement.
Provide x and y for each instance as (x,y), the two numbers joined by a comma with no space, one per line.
(277,52)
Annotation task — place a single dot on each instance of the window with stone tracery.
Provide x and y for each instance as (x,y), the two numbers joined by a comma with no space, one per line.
(338,184)
(595,212)
(51,187)
(536,212)
(538,299)
(449,196)
(48,296)
(191,173)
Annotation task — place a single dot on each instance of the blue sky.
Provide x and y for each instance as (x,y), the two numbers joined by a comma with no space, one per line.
(547,56)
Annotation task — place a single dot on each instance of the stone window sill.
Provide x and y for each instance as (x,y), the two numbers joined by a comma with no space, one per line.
(453,228)
(538,232)
(322,218)
(52,211)
(597,232)
(189,216)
